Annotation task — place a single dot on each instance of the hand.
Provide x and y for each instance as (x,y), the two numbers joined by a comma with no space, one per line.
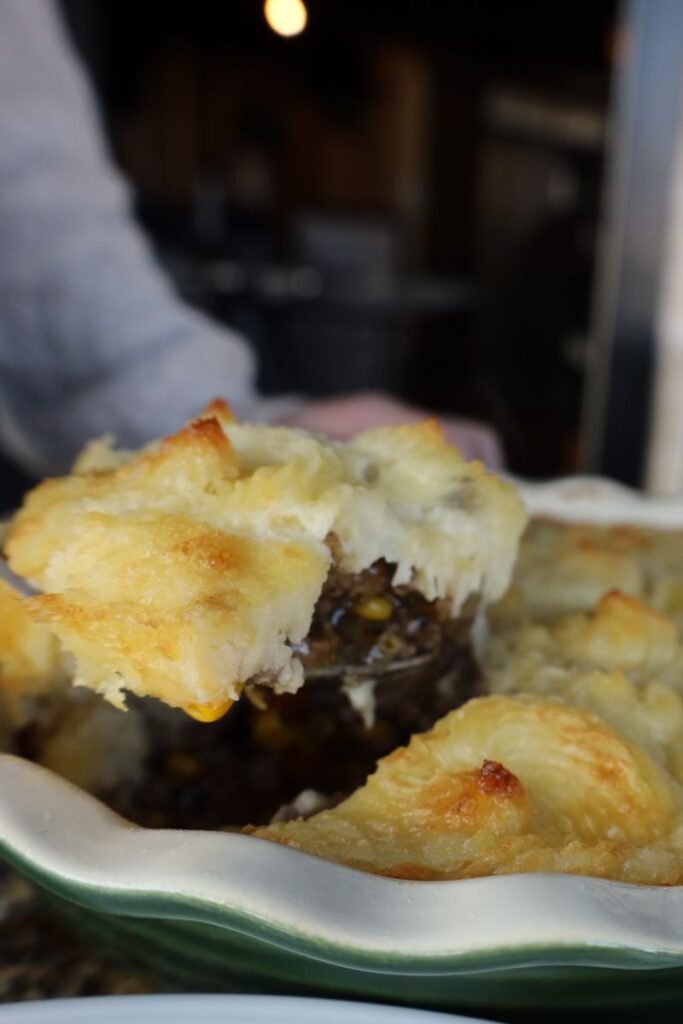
(342,417)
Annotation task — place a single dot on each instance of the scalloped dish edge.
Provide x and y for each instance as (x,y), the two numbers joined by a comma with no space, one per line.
(321,908)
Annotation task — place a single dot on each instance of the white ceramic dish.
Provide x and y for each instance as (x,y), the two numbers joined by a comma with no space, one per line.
(590,499)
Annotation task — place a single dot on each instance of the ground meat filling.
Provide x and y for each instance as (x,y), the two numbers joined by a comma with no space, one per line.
(361,619)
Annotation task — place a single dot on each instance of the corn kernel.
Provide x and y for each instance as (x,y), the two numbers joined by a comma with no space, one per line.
(271,732)
(209,712)
(376,609)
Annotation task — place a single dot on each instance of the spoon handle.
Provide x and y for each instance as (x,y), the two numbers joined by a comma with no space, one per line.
(22,588)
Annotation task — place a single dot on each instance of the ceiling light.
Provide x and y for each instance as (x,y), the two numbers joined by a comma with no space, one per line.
(286,17)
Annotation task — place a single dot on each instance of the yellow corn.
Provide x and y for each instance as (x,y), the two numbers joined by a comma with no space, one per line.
(376,609)
(209,712)
(271,732)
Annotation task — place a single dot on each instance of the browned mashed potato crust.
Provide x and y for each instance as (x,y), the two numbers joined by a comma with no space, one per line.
(502,785)
(192,569)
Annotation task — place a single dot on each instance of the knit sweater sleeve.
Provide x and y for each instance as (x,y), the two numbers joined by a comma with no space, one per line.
(92,337)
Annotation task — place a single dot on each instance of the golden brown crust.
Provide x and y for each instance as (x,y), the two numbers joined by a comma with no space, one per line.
(220,410)
(204,590)
(31,662)
(505,785)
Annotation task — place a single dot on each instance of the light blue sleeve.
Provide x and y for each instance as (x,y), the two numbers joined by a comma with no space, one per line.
(92,337)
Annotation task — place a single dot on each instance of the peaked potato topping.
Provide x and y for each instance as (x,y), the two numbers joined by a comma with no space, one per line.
(620,634)
(508,784)
(566,567)
(193,567)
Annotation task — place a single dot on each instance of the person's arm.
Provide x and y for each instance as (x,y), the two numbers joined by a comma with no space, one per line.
(92,338)
(345,415)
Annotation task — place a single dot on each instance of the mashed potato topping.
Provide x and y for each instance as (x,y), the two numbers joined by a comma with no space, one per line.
(568,567)
(620,634)
(186,570)
(508,784)
(31,661)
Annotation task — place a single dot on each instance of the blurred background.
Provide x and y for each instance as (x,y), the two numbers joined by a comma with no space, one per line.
(463,204)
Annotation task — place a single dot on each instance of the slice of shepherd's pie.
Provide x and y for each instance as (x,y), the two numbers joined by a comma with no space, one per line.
(231,554)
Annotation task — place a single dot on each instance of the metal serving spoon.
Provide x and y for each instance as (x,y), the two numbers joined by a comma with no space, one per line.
(369,671)
(17,583)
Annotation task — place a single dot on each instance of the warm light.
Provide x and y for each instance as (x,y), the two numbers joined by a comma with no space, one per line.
(286,17)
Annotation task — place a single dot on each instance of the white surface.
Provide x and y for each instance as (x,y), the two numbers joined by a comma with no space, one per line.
(215,1010)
